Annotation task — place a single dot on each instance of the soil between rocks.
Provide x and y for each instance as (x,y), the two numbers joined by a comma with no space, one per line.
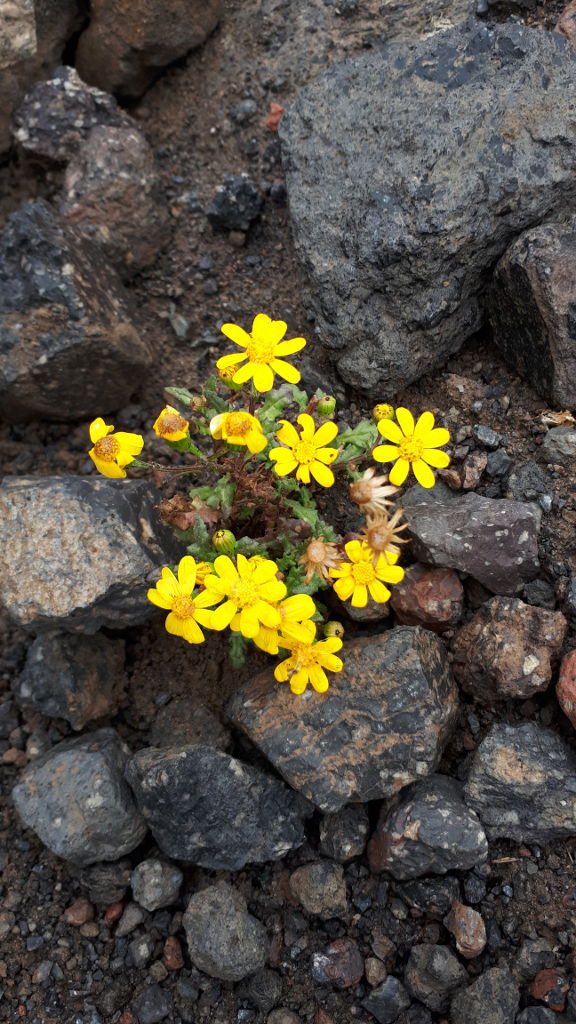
(188,118)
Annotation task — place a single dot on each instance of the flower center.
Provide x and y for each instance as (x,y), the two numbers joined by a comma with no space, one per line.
(363,572)
(260,350)
(172,423)
(183,607)
(410,449)
(304,656)
(304,453)
(107,448)
(379,538)
(238,424)
(244,594)
(316,552)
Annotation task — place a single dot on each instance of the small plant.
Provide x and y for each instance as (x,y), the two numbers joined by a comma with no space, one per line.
(259,540)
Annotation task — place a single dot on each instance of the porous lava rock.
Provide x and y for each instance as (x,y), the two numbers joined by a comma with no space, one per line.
(522,784)
(429,597)
(495,541)
(69,346)
(492,999)
(387,1001)
(77,801)
(210,809)
(507,650)
(112,196)
(78,678)
(98,545)
(410,170)
(383,723)
(532,310)
(128,42)
(428,829)
(224,940)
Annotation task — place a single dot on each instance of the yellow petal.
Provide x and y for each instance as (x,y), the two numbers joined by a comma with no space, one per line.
(263,377)
(436,438)
(386,452)
(344,588)
(236,334)
(424,425)
(98,429)
(273,591)
(406,421)
(332,663)
(249,624)
(192,632)
(244,373)
(326,455)
(161,600)
(360,596)
(268,615)
(203,616)
(321,473)
(299,681)
(389,573)
(354,550)
(283,468)
(331,644)
(256,442)
(225,568)
(308,426)
(436,457)
(109,469)
(287,434)
(266,329)
(216,425)
(423,473)
(319,679)
(187,572)
(231,360)
(289,347)
(286,370)
(265,570)
(390,430)
(378,592)
(174,625)
(325,434)
(223,615)
(132,444)
(298,607)
(399,472)
(281,671)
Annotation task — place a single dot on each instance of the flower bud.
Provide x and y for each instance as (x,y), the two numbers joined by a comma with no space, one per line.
(382,411)
(326,405)
(226,375)
(334,629)
(224,541)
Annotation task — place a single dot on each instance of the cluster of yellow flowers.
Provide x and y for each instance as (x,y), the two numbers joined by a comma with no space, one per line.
(248,595)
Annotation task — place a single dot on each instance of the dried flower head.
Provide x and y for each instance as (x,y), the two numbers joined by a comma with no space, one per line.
(371,492)
(320,556)
(381,534)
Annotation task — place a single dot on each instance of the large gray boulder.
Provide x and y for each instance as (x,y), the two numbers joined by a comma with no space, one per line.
(409,172)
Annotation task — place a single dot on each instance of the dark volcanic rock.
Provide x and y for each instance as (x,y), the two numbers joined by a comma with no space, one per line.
(410,170)
(78,678)
(224,940)
(559,445)
(491,999)
(432,895)
(433,974)
(181,723)
(99,547)
(428,829)
(495,541)
(383,723)
(236,204)
(522,784)
(341,965)
(69,349)
(532,310)
(106,883)
(208,808)
(386,1002)
(76,800)
(58,114)
(343,834)
(506,649)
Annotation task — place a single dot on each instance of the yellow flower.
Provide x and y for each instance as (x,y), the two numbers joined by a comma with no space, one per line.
(412,445)
(354,579)
(371,492)
(295,615)
(186,609)
(383,411)
(319,557)
(171,425)
(263,346)
(307,663)
(305,452)
(203,569)
(112,452)
(252,592)
(239,428)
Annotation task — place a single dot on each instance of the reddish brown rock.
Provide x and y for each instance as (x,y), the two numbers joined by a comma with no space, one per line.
(472,470)
(551,986)
(567,22)
(382,724)
(113,912)
(172,957)
(128,42)
(79,912)
(428,597)
(467,927)
(566,686)
(506,650)
(341,965)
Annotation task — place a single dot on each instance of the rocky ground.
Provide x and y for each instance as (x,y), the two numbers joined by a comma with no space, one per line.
(453,901)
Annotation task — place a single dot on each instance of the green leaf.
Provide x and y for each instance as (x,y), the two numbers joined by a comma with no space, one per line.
(300,397)
(237,650)
(357,441)
(213,398)
(307,514)
(248,546)
(181,395)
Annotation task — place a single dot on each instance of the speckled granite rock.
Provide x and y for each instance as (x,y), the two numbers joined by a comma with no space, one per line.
(99,548)
(76,800)
(383,723)
(69,346)
(522,784)
(495,541)
(78,678)
(428,830)
(210,809)
(224,940)
(506,650)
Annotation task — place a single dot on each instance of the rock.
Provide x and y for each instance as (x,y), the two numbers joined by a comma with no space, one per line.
(371,155)
(208,808)
(472,470)
(264,989)
(386,1002)
(433,975)
(537,1015)
(540,593)
(181,723)
(373,611)
(126,44)
(432,896)
(320,888)
(132,916)
(486,437)
(70,348)
(383,723)
(76,800)
(551,986)
(341,965)
(527,482)
(112,196)
(532,957)
(494,541)
(343,834)
(106,883)
(79,912)
(283,1016)
(17,32)
(567,22)
(78,678)
(374,970)
(236,205)
(531,307)
(566,686)
(498,464)
(433,598)
(141,950)
(467,927)
(58,114)
(522,784)
(224,940)
(99,548)
(491,999)
(506,650)
(559,445)
(172,956)
(156,884)
(151,1005)
(427,830)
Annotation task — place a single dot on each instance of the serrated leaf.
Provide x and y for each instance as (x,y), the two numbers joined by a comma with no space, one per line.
(181,395)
